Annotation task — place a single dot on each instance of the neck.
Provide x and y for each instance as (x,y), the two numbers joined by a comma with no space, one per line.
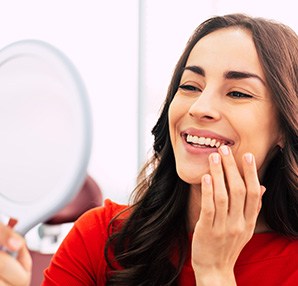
(194,206)
(261,225)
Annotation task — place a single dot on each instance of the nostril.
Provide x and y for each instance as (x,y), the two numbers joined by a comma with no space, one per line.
(207,117)
(204,113)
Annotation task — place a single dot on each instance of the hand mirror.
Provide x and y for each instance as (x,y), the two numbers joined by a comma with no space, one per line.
(45,132)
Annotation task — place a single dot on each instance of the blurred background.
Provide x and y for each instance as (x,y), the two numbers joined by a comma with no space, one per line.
(125,52)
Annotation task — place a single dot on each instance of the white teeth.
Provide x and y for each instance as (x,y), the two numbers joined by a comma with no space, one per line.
(203,141)
(195,140)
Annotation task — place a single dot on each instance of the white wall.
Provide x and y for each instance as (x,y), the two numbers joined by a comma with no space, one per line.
(101,38)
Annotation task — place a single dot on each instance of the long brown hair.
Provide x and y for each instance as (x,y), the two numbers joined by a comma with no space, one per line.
(152,244)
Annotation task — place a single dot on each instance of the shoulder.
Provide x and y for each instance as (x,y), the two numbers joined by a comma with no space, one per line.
(267,259)
(107,211)
(80,258)
(268,245)
(99,218)
(91,228)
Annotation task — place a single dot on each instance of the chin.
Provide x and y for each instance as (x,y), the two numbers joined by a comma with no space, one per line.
(190,177)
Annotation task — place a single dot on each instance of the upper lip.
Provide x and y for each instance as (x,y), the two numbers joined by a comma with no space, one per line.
(207,134)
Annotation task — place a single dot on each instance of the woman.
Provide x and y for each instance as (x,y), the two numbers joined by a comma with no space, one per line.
(13,271)
(201,215)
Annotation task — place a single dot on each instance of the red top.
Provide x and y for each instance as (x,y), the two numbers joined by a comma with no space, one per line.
(267,259)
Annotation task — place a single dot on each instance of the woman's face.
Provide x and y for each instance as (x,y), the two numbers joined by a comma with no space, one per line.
(222,99)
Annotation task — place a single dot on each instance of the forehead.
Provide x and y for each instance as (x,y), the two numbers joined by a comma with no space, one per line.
(227,48)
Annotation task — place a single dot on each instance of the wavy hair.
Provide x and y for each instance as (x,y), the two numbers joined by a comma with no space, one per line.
(152,244)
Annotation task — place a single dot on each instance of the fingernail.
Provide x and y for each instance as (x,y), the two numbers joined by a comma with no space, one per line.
(224,149)
(14,243)
(207,179)
(215,158)
(248,157)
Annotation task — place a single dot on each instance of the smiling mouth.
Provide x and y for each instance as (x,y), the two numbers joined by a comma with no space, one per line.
(204,142)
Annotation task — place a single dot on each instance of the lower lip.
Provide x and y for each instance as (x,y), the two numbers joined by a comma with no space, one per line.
(198,150)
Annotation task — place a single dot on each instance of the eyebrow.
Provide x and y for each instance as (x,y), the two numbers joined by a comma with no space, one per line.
(196,69)
(242,75)
(228,75)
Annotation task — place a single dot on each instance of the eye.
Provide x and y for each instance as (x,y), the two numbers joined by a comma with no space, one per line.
(237,94)
(188,87)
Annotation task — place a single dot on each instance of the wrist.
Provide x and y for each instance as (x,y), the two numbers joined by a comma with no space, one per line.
(215,278)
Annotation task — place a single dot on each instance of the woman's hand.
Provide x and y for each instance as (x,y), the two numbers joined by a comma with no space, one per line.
(230,206)
(14,271)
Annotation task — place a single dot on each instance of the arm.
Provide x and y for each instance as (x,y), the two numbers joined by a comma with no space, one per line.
(14,271)
(229,209)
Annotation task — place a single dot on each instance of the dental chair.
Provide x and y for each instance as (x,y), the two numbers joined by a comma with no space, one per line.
(51,233)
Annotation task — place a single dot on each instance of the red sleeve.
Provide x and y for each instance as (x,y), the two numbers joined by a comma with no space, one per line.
(80,258)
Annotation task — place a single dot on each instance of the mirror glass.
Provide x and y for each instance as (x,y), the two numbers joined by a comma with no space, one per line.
(45,132)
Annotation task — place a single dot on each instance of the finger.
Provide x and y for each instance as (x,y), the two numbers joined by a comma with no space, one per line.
(220,191)
(5,233)
(11,271)
(17,243)
(25,259)
(235,183)
(10,241)
(207,203)
(254,190)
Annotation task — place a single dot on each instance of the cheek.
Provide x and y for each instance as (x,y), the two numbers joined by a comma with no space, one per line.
(187,168)
(171,118)
(260,140)
(174,115)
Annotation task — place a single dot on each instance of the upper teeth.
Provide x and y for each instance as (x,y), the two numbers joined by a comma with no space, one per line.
(203,141)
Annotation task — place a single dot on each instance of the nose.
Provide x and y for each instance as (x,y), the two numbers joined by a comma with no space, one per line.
(206,106)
